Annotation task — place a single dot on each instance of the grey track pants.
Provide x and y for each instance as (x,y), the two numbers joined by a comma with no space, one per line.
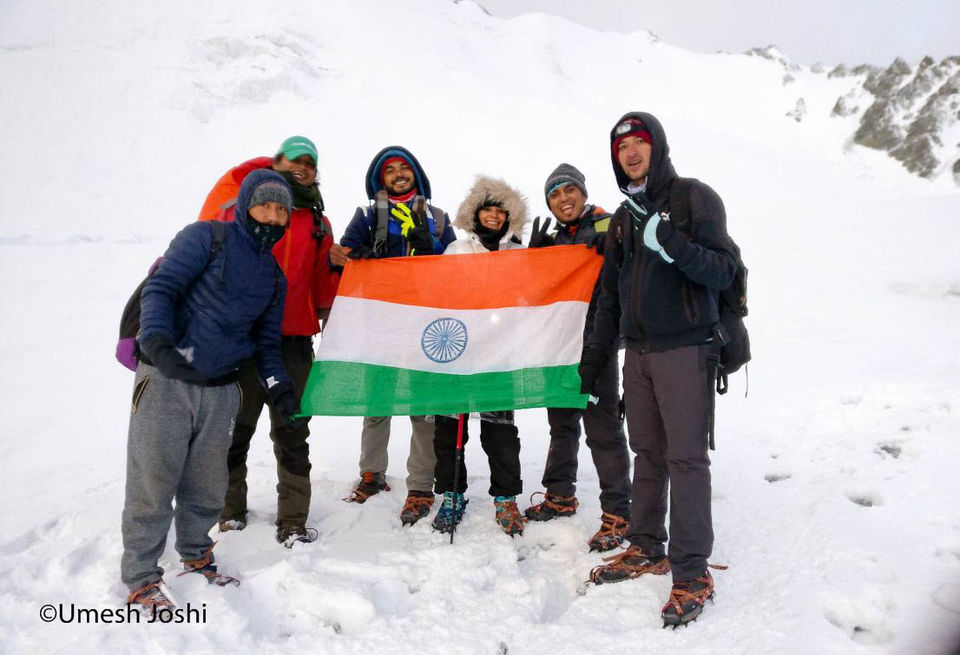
(421,461)
(668,397)
(605,439)
(176,450)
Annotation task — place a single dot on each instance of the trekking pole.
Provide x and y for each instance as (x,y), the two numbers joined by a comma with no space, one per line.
(457,459)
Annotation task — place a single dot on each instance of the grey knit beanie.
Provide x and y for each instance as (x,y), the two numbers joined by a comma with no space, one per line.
(564,174)
(272,191)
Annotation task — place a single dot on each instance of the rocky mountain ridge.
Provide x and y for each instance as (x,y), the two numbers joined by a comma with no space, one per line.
(913,114)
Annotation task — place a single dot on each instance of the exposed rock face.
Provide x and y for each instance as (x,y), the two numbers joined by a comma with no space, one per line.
(910,113)
(773,53)
(799,111)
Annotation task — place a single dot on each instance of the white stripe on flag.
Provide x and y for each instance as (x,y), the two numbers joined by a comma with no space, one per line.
(471,341)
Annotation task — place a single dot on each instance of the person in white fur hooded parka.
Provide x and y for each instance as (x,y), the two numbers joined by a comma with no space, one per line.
(493,215)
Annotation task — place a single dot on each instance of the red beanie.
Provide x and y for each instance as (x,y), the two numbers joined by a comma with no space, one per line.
(630,127)
(390,160)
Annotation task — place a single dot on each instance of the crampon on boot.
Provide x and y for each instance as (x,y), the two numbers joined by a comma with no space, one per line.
(205,567)
(447,519)
(551,507)
(369,485)
(611,533)
(226,525)
(290,535)
(151,597)
(686,600)
(508,516)
(417,505)
(631,563)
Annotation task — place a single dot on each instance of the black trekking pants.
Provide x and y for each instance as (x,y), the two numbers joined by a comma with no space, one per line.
(605,439)
(499,441)
(289,446)
(668,399)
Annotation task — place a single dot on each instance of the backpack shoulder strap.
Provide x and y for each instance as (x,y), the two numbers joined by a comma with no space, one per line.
(679,204)
(219,232)
(381,218)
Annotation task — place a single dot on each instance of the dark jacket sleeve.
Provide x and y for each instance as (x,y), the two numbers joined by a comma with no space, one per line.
(707,257)
(357,232)
(266,335)
(448,236)
(183,262)
(606,320)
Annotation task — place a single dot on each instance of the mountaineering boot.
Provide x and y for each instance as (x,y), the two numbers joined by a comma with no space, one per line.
(611,533)
(631,563)
(551,507)
(686,600)
(446,518)
(370,484)
(151,597)
(226,525)
(205,567)
(417,506)
(290,535)
(508,516)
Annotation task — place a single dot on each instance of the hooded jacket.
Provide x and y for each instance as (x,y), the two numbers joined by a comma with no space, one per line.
(362,229)
(487,190)
(220,313)
(302,252)
(657,305)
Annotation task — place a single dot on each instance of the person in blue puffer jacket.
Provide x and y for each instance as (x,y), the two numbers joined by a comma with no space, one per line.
(211,304)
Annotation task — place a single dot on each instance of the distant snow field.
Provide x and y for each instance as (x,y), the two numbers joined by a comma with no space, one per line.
(835,489)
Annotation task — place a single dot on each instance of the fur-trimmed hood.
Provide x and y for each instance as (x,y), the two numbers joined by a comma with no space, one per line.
(486,189)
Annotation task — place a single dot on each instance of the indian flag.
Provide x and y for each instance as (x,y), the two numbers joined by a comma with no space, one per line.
(458,333)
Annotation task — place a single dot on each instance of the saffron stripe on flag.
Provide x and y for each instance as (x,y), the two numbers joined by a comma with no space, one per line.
(350,389)
(506,278)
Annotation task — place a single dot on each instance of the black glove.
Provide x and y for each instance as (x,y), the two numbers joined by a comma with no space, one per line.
(285,401)
(592,362)
(598,241)
(362,252)
(539,237)
(161,353)
(420,240)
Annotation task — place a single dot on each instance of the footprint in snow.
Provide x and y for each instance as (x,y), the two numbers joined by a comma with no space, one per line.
(889,449)
(776,477)
(864,498)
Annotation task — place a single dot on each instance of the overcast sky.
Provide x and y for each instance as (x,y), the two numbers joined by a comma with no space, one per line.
(807,31)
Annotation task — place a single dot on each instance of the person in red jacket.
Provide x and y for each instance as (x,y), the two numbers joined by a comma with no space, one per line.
(303,255)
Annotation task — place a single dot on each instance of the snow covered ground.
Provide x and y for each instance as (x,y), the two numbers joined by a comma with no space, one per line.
(835,501)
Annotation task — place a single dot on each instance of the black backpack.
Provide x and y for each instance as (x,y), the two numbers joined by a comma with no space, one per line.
(730,334)
(127,352)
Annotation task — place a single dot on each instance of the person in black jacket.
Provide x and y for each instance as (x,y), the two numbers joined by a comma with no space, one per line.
(581,223)
(660,292)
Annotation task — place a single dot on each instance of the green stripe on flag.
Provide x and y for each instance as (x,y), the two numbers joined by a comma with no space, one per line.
(351,389)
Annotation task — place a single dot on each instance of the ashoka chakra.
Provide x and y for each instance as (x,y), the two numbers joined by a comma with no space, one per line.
(444,340)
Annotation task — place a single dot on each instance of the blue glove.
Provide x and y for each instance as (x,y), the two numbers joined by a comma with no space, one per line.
(650,237)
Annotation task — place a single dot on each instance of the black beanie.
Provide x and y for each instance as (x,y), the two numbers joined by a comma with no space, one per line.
(564,174)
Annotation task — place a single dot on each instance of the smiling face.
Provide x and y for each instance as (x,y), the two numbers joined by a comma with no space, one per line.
(398,177)
(492,218)
(269,213)
(566,203)
(303,168)
(633,155)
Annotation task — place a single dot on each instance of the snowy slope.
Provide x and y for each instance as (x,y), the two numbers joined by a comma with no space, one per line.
(835,503)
